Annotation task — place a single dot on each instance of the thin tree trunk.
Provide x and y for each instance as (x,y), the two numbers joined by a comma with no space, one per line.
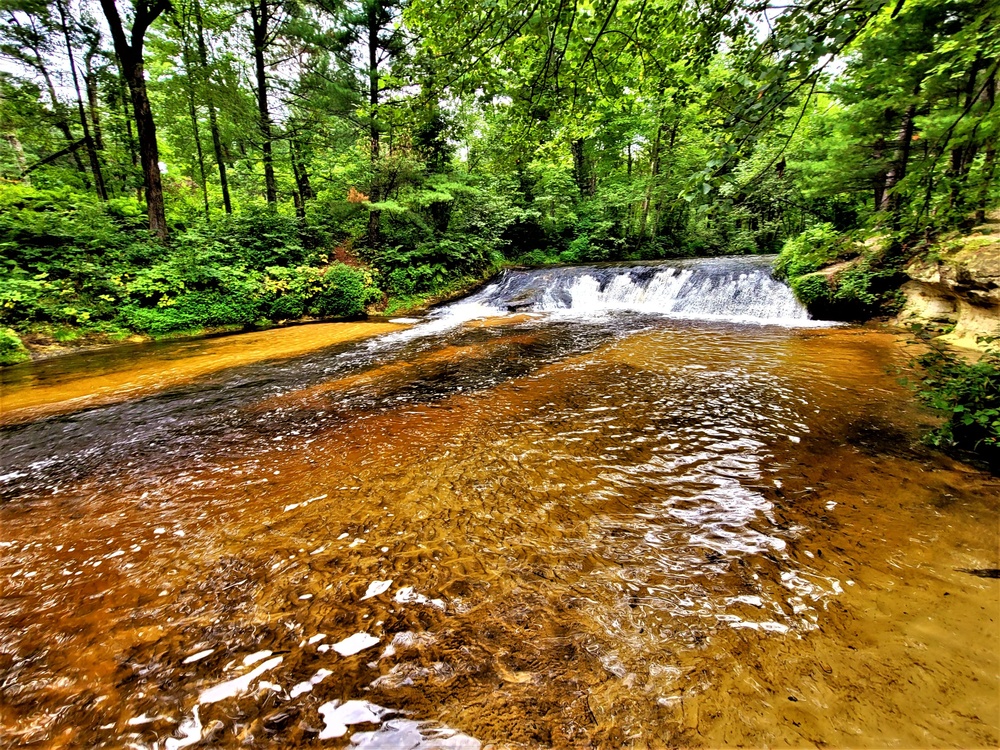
(260,18)
(962,156)
(131,59)
(989,165)
(374,191)
(878,183)
(133,152)
(581,171)
(213,120)
(656,208)
(95,162)
(300,172)
(193,113)
(892,200)
(654,171)
(90,83)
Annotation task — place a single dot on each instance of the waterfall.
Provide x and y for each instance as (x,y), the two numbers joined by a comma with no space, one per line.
(737,289)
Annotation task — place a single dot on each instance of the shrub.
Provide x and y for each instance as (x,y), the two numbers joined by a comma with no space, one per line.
(812,290)
(539,257)
(335,291)
(809,251)
(969,395)
(12,349)
(192,311)
(261,237)
(344,292)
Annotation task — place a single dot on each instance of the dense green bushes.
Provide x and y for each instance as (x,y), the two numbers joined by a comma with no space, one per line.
(969,395)
(12,350)
(809,251)
(70,262)
(838,279)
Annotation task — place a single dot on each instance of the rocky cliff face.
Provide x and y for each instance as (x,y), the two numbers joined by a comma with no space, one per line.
(957,286)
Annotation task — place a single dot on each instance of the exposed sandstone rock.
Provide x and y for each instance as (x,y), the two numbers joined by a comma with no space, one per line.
(958,285)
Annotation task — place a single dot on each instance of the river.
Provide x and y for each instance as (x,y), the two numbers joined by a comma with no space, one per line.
(636,506)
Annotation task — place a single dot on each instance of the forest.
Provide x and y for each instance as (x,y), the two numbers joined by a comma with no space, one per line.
(177,166)
(499,374)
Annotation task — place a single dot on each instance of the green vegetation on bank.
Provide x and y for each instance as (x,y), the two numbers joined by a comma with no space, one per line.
(967,393)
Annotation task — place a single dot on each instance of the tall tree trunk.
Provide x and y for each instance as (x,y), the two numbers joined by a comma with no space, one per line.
(892,200)
(133,151)
(374,191)
(193,114)
(93,107)
(95,162)
(962,156)
(581,169)
(90,83)
(260,19)
(654,171)
(297,197)
(878,183)
(989,165)
(131,58)
(213,120)
(299,170)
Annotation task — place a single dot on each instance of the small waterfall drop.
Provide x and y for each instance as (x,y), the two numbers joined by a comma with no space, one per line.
(733,289)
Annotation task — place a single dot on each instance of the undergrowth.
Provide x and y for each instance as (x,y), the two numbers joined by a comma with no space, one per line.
(967,394)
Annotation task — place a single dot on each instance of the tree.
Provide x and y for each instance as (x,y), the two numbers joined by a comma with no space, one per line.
(91,145)
(129,49)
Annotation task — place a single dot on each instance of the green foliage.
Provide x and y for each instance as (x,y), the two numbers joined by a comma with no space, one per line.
(968,394)
(643,132)
(70,261)
(12,349)
(809,251)
(343,292)
(865,283)
(812,290)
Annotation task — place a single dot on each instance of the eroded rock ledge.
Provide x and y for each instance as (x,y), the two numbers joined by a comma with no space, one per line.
(956,288)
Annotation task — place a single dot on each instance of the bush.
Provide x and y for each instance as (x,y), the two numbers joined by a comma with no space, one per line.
(969,395)
(259,238)
(335,291)
(12,349)
(809,251)
(812,290)
(344,292)
(862,288)
(539,257)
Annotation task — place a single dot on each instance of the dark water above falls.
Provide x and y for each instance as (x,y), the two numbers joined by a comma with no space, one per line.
(640,506)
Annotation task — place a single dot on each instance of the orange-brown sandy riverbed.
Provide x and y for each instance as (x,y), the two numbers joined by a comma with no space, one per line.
(535,534)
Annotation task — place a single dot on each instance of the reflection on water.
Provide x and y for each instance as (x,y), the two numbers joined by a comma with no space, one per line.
(625,531)
(37,390)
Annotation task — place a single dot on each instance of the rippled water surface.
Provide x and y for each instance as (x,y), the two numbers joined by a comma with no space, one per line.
(526,532)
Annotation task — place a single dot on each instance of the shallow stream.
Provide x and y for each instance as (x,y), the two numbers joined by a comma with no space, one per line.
(583,508)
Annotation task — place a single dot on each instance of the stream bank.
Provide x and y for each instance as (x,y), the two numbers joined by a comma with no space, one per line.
(954,288)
